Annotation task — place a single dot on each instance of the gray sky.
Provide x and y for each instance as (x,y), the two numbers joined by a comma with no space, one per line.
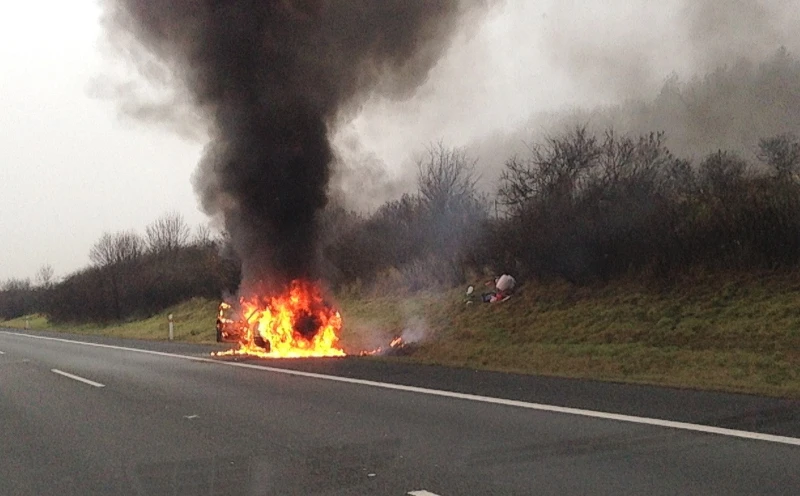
(71,167)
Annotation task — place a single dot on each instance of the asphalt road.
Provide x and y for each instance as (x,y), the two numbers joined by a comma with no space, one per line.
(78,420)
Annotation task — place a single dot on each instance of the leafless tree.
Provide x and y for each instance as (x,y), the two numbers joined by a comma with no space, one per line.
(113,253)
(16,285)
(451,209)
(17,298)
(720,173)
(45,276)
(116,248)
(203,236)
(446,177)
(782,153)
(167,233)
(557,168)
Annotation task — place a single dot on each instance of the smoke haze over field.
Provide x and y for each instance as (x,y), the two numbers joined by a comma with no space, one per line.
(722,75)
(530,68)
(271,80)
(535,68)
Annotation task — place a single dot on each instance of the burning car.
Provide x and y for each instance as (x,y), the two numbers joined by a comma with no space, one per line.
(298,323)
(229,326)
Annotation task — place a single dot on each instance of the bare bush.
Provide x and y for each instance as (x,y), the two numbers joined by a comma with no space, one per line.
(203,236)
(446,178)
(587,208)
(141,287)
(14,284)
(116,248)
(45,276)
(721,173)
(17,298)
(452,210)
(115,254)
(556,169)
(782,154)
(432,231)
(636,208)
(167,233)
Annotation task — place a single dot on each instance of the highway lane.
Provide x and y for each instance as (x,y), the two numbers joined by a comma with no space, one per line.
(165,425)
(734,411)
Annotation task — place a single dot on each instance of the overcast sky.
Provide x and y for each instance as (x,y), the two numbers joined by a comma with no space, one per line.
(71,168)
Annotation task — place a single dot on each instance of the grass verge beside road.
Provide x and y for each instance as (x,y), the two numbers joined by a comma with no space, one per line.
(734,333)
(737,333)
(193,322)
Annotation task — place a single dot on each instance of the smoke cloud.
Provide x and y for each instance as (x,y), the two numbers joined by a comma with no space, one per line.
(272,80)
(719,74)
(536,68)
(723,31)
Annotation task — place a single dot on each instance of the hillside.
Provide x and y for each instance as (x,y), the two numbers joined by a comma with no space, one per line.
(193,322)
(733,333)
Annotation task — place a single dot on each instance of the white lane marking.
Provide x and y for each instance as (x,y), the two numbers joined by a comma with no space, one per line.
(706,429)
(422,493)
(2,352)
(191,417)
(77,378)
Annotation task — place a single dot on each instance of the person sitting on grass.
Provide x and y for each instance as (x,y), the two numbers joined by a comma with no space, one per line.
(503,289)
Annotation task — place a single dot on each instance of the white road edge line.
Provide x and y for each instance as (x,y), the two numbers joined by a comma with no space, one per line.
(421,493)
(77,378)
(706,429)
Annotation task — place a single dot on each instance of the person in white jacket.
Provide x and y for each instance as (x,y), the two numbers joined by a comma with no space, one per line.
(503,288)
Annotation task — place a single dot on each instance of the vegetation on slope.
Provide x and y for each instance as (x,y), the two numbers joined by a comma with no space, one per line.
(617,224)
(734,333)
(193,322)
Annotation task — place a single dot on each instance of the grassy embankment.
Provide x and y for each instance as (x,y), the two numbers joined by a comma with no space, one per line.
(194,322)
(738,333)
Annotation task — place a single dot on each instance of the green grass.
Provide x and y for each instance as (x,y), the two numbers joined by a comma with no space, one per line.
(193,322)
(739,333)
(734,333)
(35,321)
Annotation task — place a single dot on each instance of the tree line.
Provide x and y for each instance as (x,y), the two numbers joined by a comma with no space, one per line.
(581,207)
(585,204)
(578,206)
(130,275)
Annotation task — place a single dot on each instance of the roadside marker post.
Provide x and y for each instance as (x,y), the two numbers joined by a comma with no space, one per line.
(171,327)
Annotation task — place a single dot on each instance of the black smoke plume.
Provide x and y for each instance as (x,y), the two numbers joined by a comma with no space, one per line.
(271,79)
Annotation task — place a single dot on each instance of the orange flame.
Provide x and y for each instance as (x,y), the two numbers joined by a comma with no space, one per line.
(395,343)
(298,324)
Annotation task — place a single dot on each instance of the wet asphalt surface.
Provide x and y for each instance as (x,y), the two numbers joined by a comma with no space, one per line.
(166,425)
